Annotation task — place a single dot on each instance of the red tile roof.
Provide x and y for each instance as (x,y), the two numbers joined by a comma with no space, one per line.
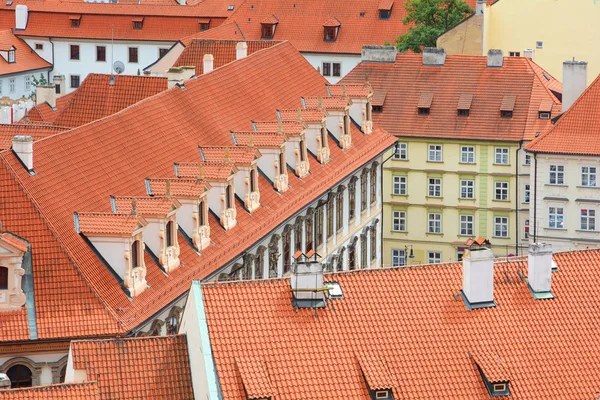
(43,114)
(78,170)
(63,391)
(180,188)
(403,84)
(288,128)
(210,170)
(577,131)
(25,58)
(108,224)
(414,331)
(327,103)
(14,241)
(37,132)
(260,139)
(238,155)
(152,368)
(226,31)
(145,206)
(306,115)
(363,90)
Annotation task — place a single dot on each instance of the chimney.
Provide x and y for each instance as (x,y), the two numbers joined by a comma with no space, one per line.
(385,54)
(46,94)
(241,50)
(21,16)
(23,148)
(59,83)
(209,62)
(177,75)
(574,82)
(4,381)
(478,277)
(539,267)
(495,58)
(434,56)
(528,53)
(306,283)
(479,6)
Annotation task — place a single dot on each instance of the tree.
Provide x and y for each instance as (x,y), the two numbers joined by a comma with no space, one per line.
(430,18)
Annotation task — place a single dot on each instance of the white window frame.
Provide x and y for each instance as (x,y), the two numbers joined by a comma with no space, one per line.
(12,85)
(399,220)
(590,173)
(556,173)
(504,193)
(434,257)
(527,193)
(11,56)
(556,217)
(589,218)
(400,184)
(467,224)
(330,68)
(402,152)
(502,156)
(27,80)
(435,187)
(501,227)
(398,258)
(435,153)
(465,184)
(382,394)
(467,154)
(434,223)
(527,160)
(526,229)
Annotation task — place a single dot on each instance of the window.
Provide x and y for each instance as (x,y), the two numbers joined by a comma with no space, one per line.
(135,254)
(462,113)
(3,278)
(162,52)
(101,53)
(11,56)
(467,189)
(169,230)
(363,190)
(557,175)
(201,206)
(20,376)
(399,221)
(326,69)
(588,220)
(435,223)
(527,193)
(401,152)
(337,69)
(466,225)
(330,33)
(133,54)
(11,85)
(556,217)
(319,226)
(527,159)
(373,184)
(75,23)
(434,257)
(352,199)
(398,258)
(539,45)
(501,227)
(273,256)
(298,235)
(0,86)
(400,185)
(352,255)
(27,83)
(423,110)
(39,46)
(330,214)
(435,153)
(339,209)
(506,114)
(287,249)
(373,238)
(363,251)
(253,187)
(467,154)
(382,394)
(281,164)
(228,196)
(74,52)
(435,187)
(385,14)
(309,232)
(526,229)
(501,156)
(259,263)
(137,25)
(268,31)
(544,115)
(514,54)
(501,192)
(588,176)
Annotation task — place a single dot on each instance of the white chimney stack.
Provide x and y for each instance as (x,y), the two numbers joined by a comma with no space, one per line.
(21,16)
(434,56)
(177,75)
(479,7)
(241,50)
(495,58)
(478,276)
(59,83)
(539,267)
(209,63)
(574,82)
(528,53)
(46,94)
(23,148)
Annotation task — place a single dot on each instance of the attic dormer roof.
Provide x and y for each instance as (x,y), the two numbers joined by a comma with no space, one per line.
(100,223)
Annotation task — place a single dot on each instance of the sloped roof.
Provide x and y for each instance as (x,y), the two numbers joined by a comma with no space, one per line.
(43,114)
(108,223)
(63,391)
(153,368)
(37,132)
(229,30)
(414,323)
(577,131)
(236,154)
(78,170)
(405,81)
(25,58)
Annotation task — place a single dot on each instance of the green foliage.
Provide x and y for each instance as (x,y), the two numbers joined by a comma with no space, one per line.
(429,19)
(42,81)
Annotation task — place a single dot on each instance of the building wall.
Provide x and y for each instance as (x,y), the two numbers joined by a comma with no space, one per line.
(347,61)
(571,196)
(15,86)
(45,366)
(162,65)
(417,204)
(465,38)
(566,29)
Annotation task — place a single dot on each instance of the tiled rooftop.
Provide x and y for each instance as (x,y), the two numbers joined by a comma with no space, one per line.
(184,188)
(64,391)
(210,170)
(25,59)
(107,223)
(151,206)
(260,139)
(408,329)
(37,132)
(238,155)
(327,103)
(288,128)
(309,116)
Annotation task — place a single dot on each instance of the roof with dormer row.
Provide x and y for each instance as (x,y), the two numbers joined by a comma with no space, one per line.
(238,155)
(408,330)
(25,58)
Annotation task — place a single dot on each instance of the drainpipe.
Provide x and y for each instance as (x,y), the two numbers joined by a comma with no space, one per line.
(534,198)
(396,147)
(518,225)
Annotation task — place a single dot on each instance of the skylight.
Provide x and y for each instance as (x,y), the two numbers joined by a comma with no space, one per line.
(335,290)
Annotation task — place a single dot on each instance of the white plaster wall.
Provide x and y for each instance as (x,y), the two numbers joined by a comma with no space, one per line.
(356,110)
(291,145)
(162,65)
(334,118)
(113,251)
(267,162)
(312,132)
(214,197)
(239,182)
(45,52)
(185,215)
(19,80)
(150,234)
(348,62)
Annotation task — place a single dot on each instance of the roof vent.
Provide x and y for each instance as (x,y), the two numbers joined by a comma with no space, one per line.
(478,278)
(434,56)
(495,58)
(307,283)
(23,148)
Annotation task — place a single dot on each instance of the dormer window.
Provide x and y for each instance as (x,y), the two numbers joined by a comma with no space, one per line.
(229,196)
(75,21)
(12,58)
(544,115)
(170,233)
(545,109)
(281,163)
(382,395)
(385,9)
(136,250)
(253,179)
(3,278)
(268,27)
(507,106)
(506,114)
(331,30)
(138,23)
(385,14)
(204,24)
(464,105)
(376,375)
(424,106)
(494,373)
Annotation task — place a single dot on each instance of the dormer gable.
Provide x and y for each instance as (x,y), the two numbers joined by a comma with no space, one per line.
(377,376)
(296,152)
(268,27)
(331,29)
(385,9)
(255,378)
(75,20)
(493,371)
(12,250)
(338,116)
(508,105)
(361,109)
(138,22)
(315,122)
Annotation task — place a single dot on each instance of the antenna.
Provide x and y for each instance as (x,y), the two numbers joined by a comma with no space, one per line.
(112,46)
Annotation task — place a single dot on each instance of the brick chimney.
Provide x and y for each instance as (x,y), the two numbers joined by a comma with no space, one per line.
(574,82)
(495,58)
(241,50)
(478,277)
(209,63)
(60,85)
(23,148)
(379,53)
(434,56)
(539,267)
(46,94)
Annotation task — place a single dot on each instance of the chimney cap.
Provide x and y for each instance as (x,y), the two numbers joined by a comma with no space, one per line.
(241,45)
(495,58)
(575,62)
(434,56)
(208,57)
(21,138)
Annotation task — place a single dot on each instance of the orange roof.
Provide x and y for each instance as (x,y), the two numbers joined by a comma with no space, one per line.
(226,31)
(327,102)
(14,241)
(184,188)
(310,116)
(63,391)
(288,128)
(578,129)
(145,206)
(410,327)
(260,139)
(350,90)
(79,169)
(255,378)
(238,155)
(210,170)
(150,368)
(43,114)
(108,224)
(223,51)
(401,86)
(37,132)
(332,23)
(25,58)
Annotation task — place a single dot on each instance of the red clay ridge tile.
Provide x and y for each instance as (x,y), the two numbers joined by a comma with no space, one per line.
(146,206)
(184,188)
(260,139)
(108,223)
(238,155)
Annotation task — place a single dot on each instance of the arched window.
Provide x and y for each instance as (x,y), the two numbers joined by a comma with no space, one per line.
(363,251)
(364,177)
(259,262)
(352,198)
(302,150)
(3,278)
(236,270)
(298,235)
(135,254)
(346,124)
(173,321)
(330,214)
(373,242)
(201,206)
(340,260)
(248,264)
(373,183)
(253,187)
(319,227)
(273,256)
(287,249)
(228,197)
(20,376)
(340,209)
(352,255)
(169,230)
(62,374)
(281,164)
(309,230)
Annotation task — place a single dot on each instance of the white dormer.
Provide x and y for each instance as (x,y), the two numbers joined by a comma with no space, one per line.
(119,240)
(361,108)
(160,232)
(192,216)
(338,116)
(315,129)
(295,146)
(12,250)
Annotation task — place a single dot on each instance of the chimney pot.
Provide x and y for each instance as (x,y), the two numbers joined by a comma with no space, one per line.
(209,62)
(241,50)
(46,94)
(528,53)
(434,56)
(23,148)
(574,82)
(478,276)
(379,53)
(539,267)
(495,58)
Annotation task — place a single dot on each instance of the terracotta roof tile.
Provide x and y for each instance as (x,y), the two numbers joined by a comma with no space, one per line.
(310,116)
(229,30)
(260,139)
(269,20)
(508,103)
(350,90)
(288,128)
(414,330)
(327,102)
(425,100)
(238,155)
(108,224)
(546,105)
(211,170)
(63,391)
(44,114)
(255,378)
(25,58)
(385,4)
(37,132)
(14,241)
(145,206)
(332,23)
(150,368)
(464,102)
(184,188)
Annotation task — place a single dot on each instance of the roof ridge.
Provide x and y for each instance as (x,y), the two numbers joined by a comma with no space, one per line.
(131,339)
(50,386)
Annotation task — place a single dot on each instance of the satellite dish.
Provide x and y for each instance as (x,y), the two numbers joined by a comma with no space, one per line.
(119,67)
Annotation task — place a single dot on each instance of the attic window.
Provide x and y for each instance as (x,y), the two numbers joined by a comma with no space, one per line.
(377,377)
(494,373)
(268,30)
(12,56)
(204,24)
(385,9)
(230,7)
(382,394)
(507,106)
(464,105)
(75,20)
(332,28)
(138,23)
(424,105)
(545,110)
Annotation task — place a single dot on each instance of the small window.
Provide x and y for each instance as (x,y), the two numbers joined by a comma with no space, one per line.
(74,81)
(499,387)
(467,154)
(526,229)
(588,176)
(11,85)
(204,26)
(39,46)
(557,175)
(228,197)
(501,155)
(135,254)
(434,257)
(75,23)
(539,45)
(435,153)
(506,114)
(556,218)
(281,164)
(3,278)
(527,159)
(399,221)
(330,33)
(101,53)
(133,54)
(20,376)
(463,113)
(435,187)
(385,14)
(169,232)
(337,69)
(268,31)
(501,227)
(398,258)
(466,225)
(230,8)
(587,221)
(527,193)
(11,56)
(326,69)
(162,52)
(400,185)
(514,53)
(401,152)
(544,115)
(138,23)
(74,52)
(382,394)
(467,189)
(201,220)
(423,110)
(501,191)
(28,83)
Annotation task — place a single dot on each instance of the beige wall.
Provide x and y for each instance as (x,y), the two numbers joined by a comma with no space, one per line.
(465,38)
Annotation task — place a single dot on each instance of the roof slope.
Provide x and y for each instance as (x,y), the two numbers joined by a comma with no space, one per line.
(414,322)
(25,58)
(44,114)
(229,30)
(78,170)
(578,130)
(8,132)
(150,368)
(404,81)
(64,391)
